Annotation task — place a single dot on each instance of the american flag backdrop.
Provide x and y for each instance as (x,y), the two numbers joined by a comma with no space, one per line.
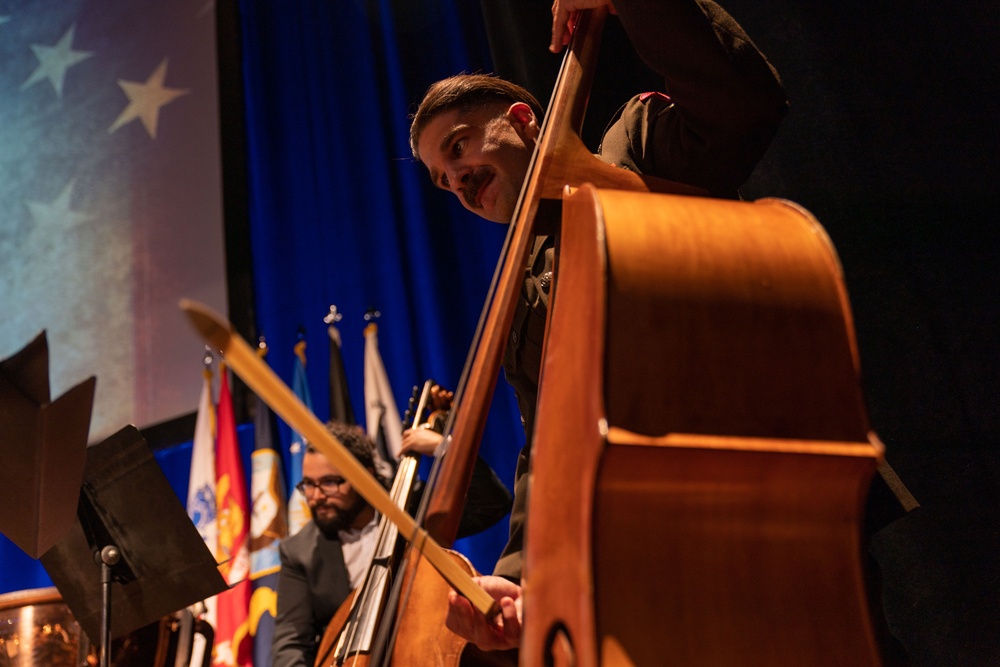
(110,195)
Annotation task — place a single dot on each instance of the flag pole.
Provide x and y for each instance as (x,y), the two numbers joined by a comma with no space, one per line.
(269,387)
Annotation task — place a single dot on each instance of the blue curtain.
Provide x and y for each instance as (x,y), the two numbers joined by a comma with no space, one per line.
(340,213)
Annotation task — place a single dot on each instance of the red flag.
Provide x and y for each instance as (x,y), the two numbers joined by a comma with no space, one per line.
(232,636)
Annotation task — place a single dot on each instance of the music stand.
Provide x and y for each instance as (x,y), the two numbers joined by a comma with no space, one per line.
(133,556)
(43,446)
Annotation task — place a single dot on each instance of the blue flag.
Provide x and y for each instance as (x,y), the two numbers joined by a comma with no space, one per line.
(298,509)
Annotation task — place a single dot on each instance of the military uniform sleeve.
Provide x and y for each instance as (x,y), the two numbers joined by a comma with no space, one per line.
(723,101)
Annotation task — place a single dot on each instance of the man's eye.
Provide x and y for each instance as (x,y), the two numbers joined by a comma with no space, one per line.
(457,148)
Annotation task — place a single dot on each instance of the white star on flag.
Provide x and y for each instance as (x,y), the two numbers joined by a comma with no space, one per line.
(53,61)
(145,99)
(57,215)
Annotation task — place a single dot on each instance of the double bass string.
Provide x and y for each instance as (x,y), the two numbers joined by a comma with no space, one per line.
(371,609)
(385,640)
(367,611)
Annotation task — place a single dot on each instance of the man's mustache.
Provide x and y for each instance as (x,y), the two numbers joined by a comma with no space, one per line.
(472,185)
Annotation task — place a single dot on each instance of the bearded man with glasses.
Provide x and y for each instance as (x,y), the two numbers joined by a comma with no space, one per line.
(328,558)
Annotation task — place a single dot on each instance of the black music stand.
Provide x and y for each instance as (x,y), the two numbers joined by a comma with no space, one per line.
(133,556)
(43,447)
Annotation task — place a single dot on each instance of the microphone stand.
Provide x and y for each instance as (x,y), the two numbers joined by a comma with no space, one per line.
(107,557)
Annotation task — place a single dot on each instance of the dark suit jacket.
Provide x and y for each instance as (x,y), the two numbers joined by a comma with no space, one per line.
(312,585)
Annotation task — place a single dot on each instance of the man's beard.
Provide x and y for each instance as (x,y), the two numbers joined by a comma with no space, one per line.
(342,519)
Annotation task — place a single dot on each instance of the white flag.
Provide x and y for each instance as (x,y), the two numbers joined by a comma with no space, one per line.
(385,428)
(201,505)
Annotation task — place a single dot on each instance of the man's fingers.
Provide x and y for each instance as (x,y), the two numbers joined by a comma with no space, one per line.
(459,618)
(561,30)
(511,624)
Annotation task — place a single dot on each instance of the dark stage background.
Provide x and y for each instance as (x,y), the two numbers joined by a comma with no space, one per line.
(892,143)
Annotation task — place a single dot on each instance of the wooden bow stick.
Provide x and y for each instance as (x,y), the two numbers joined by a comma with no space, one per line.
(269,387)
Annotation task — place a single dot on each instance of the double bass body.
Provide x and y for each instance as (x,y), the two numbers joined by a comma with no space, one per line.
(702,452)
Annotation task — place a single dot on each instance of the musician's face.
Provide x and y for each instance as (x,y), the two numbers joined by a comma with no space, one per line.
(335,509)
(481,156)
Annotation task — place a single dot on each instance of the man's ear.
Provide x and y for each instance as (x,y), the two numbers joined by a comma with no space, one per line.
(522,119)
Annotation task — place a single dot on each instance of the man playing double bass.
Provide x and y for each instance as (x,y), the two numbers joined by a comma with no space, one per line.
(329,557)
(720,107)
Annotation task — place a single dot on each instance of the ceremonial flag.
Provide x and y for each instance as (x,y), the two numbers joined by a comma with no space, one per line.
(298,508)
(385,428)
(268,526)
(201,484)
(340,397)
(232,640)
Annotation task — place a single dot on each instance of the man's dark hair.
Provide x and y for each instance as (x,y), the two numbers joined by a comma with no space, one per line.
(356,442)
(464,92)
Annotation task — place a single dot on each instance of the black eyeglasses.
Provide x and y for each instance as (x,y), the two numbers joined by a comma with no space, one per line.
(327,485)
